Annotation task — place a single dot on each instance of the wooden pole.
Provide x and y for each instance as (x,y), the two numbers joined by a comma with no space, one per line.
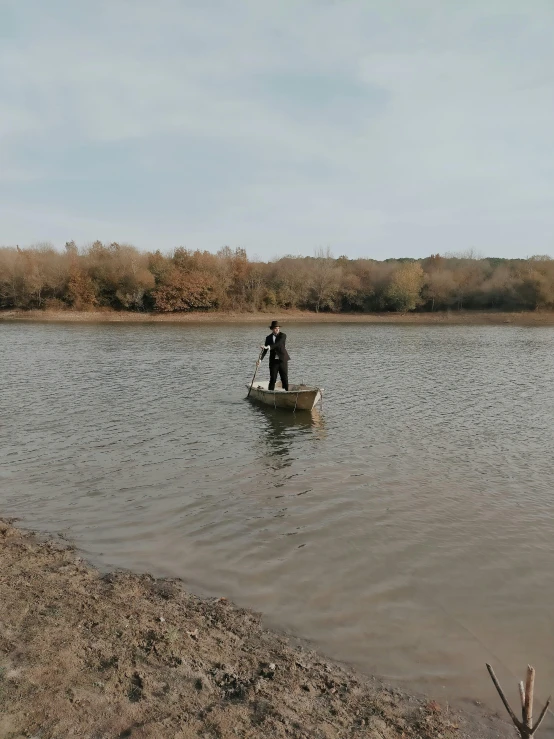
(255,372)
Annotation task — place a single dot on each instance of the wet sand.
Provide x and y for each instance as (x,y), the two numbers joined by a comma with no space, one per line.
(447,318)
(124,655)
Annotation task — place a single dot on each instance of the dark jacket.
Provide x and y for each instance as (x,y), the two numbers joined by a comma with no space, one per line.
(277,351)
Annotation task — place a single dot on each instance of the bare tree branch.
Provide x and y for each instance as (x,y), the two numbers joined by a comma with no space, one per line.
(526,729)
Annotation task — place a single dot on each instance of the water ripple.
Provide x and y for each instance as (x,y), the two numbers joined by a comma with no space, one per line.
(392,528)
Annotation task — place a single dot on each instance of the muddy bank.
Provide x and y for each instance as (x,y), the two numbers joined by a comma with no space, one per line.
(448,318)
(124,655)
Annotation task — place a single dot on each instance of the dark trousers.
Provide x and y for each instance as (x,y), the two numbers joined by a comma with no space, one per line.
(282,368)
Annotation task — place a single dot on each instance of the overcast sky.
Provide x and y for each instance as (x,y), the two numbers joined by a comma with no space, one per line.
(376,128)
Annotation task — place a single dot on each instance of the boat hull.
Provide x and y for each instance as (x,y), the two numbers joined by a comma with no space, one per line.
(298,397)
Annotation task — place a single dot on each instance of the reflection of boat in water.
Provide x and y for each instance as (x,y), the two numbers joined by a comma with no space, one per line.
(280,421)
(297,397)
(283,431)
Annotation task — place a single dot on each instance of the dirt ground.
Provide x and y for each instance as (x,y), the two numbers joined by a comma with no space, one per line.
(448,318)
(122,655)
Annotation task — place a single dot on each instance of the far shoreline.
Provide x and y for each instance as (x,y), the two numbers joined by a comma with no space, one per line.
(442,318)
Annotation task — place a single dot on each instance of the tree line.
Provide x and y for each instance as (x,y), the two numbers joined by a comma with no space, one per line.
(118,276)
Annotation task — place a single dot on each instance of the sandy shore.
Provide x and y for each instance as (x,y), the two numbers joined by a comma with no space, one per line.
(122,655)
(449,318)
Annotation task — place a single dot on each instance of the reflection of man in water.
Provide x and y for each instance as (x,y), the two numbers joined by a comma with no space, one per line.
(278,356)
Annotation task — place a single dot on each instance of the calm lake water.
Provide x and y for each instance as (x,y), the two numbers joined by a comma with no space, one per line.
(407,527)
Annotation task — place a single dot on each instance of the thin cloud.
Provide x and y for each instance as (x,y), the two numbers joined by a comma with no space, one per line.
(382,129)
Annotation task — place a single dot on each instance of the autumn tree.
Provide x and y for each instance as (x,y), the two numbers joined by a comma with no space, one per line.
(288,283)
(255,286)
(499,289)
(537,282)
(439,288)
(404,290)
(183,291)
(81,291)
(11,277)
(324,281)
(120,277)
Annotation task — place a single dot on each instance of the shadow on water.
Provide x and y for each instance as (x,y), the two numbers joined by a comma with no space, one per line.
(282,430)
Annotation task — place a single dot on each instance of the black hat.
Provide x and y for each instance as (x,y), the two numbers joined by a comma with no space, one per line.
(275,324)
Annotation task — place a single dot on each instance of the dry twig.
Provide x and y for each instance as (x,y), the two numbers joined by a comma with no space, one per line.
(525,727)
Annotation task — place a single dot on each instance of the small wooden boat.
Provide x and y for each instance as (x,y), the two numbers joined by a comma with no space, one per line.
(297,397)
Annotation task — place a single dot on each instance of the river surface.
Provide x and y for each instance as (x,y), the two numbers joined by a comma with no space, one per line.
(406,527)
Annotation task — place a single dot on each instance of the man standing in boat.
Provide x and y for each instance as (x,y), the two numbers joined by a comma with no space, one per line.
(278,356)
